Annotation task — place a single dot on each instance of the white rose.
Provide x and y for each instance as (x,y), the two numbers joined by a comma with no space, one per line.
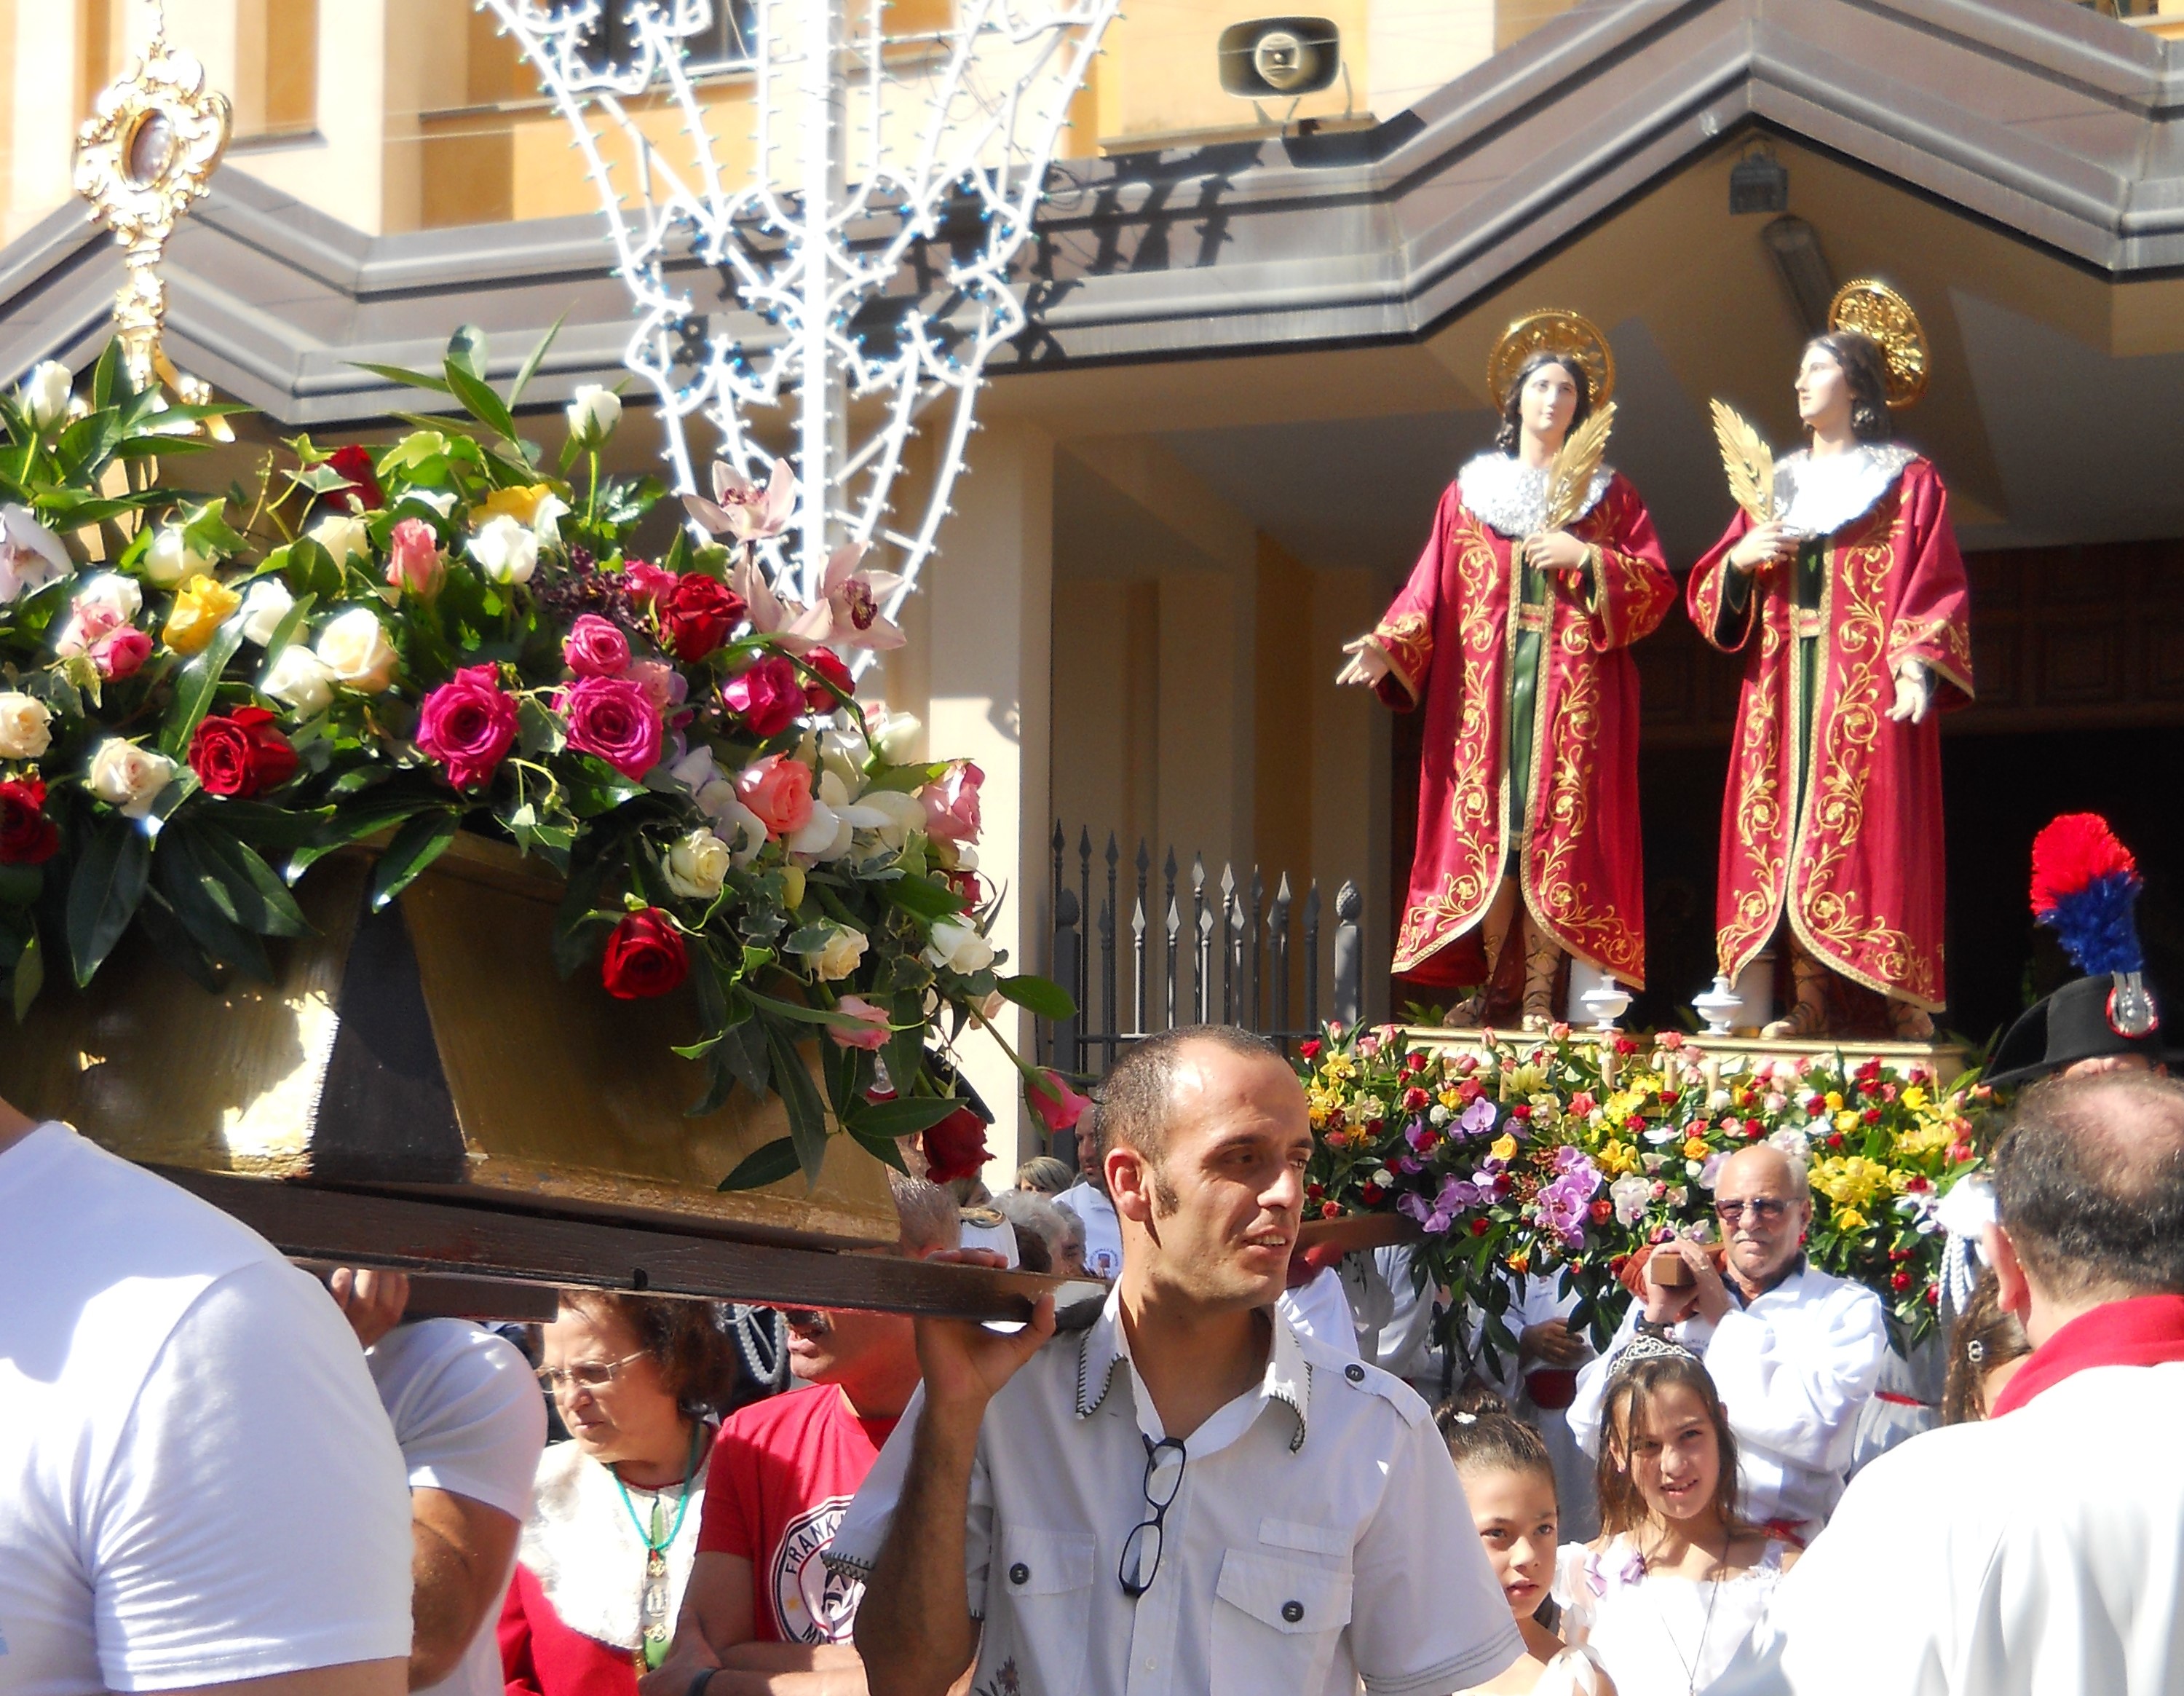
(265,605)
(903,815)
(441,500)
(301,679)
(506,551)
(171,559)
(25,726)
(845,950)
(593,412)
(896,739)
(31,555)
(46,393)
(356,651)
(697,865)
(343,536)
(128,777)
(959,947)
(546,521)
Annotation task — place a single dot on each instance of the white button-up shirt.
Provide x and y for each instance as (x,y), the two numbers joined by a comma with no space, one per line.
(1795,1366)
(1318,1536)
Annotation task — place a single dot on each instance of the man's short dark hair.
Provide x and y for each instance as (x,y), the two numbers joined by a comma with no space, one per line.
(1134,1098)
(2090,1178)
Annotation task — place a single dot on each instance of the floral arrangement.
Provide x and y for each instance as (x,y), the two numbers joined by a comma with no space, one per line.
(203,696)
(1564,1155)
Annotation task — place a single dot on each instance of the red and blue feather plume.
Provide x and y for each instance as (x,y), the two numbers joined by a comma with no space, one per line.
(2085,885)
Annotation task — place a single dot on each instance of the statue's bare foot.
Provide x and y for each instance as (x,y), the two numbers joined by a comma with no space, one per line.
(1466,1014)
(1806,1018)
(1910,1024)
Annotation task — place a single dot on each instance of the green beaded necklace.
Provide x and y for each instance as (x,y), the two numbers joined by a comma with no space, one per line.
(654,1625)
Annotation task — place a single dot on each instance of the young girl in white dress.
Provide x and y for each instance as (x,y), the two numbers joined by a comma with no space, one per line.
(1675,1581)
(1509,1478)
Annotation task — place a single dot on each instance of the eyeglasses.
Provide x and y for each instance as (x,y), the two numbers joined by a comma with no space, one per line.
(585,1375)
(1141,1551)
(1765,1209)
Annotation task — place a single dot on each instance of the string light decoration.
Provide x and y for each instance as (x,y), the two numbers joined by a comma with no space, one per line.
(826,300)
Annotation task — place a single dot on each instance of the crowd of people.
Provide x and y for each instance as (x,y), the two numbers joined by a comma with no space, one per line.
(217,1470)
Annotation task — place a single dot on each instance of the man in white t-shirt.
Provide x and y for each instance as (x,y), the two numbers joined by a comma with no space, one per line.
(472,1424)
(198,1485)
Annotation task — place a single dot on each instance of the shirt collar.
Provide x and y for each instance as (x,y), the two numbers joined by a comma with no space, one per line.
(1104,1347)
(1791,1274)
(2142,1330)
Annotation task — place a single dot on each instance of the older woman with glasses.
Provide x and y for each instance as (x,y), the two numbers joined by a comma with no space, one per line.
(640,1382)
(1795,1352)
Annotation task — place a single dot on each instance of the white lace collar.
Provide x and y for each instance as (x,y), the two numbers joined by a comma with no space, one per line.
(582,1545)
(1512,496)
(1818,497)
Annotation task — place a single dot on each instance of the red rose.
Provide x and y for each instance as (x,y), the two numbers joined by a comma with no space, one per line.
(648,583)
(956,1148)
(614,718)
(1835,1139)
(828,664)
(699,615)
(1602,1212)
(1626,1045)
(1309,1048)
(1899,1282)
(767,697)
(1330,1210)
(1478,1227)
(645,957)
(27,836)
(1933,1295)
(1416,1100)
(468,724)
(241,754)
(1313,1192)
(354,463)
(1371,1194)
(1873,1115)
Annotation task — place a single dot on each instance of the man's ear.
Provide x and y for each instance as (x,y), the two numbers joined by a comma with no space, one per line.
(2012,1293)
(1130,1183)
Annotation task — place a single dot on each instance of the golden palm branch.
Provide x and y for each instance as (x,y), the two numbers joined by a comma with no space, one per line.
(1749,463)
(1569,478)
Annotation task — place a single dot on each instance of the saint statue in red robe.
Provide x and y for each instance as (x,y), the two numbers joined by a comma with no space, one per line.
(1513,636)
(1851,609)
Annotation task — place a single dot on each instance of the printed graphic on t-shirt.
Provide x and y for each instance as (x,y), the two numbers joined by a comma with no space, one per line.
(813,1604)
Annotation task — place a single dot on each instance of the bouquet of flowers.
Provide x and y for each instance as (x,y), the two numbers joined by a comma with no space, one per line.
(1563,1153)
(203,696)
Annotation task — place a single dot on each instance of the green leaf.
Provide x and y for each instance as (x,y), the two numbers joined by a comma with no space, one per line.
(102,895)
(905,1116)
(404,375)
(351,825)
(806,1015)
(807,1117)
(927,898)
(109,378)
(30,976)
(466,347)
(532,361)
(1038,995)
(770,1164)
(415,845)
(20,884)
(199,899)
(884,1149)
(742,1050)
(193,691)
(256,899)
(537,732)
(175,943)
(594,786)
(483,404)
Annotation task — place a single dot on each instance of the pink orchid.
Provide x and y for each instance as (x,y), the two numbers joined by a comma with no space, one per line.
(739,508)
(848,614)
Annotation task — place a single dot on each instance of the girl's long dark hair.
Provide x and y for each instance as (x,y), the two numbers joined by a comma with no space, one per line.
(1865,369)
(1986,1335)
(1630,1392)
(1512,427)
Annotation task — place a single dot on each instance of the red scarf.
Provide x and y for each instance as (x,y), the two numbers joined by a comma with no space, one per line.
(2145,1330)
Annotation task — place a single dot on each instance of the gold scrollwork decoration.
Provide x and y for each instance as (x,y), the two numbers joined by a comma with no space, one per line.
(1876,311)
(1567,335)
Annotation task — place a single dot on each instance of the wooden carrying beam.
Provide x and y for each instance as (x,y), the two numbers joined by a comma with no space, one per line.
(424,1234)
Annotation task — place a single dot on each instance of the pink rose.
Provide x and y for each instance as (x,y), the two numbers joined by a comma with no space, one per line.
(468,724)
(871,1031)
(1049,1096)
(595,649)
(613,718)
(663,685)
(778,790)
(414,559)
(648,584)
(952,803)
(119,653)
(767,697)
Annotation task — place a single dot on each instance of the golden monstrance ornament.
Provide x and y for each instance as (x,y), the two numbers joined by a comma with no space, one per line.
(147,151)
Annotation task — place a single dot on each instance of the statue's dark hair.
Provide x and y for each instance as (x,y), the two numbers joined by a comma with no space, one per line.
(1512,427)
(1865,369)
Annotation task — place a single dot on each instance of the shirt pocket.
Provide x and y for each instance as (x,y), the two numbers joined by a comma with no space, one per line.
(1038,1607)
(1276,1624)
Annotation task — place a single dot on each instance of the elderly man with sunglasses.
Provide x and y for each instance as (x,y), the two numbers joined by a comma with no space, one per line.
(1189,1496)
(1795,1352)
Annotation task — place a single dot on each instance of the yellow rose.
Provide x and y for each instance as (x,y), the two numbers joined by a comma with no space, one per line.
(1694,1148)
(1504,1148)
(203,604)
(1850,1218)
(1846,1121)
(1833,1099)
(1913,1098)
(521,503)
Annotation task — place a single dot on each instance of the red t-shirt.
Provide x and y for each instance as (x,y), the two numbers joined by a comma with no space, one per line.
(781,1476)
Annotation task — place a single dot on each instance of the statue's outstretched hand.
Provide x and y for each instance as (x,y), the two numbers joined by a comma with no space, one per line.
(1915,693)
(1368,663)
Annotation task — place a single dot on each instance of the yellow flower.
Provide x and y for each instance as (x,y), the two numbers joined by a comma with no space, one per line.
(1833,1099)
(521,503)
(1617,1157)
(1914,1098)
(1525,1080)
(1850,1218)
(1846,1121)
(1451,1100)
(203,604)
(1504,1148)
(1694,1148)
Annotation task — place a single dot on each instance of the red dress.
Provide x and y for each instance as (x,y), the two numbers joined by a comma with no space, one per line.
(1571,816)
(1833,813)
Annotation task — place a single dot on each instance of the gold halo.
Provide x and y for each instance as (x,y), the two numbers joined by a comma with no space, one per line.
(1567,335)
(1886,318)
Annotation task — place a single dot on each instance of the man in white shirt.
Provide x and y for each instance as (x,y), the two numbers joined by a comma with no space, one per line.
(197,1486)
(1795,1352)
(1189,1496)
(2038,1550)
(471,1424)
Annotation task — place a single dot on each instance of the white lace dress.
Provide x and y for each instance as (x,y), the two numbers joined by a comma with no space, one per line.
(1659,1636)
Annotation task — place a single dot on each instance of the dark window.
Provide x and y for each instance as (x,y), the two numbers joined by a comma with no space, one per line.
(729,38)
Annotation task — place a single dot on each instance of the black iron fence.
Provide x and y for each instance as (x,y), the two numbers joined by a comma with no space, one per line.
(1192,950)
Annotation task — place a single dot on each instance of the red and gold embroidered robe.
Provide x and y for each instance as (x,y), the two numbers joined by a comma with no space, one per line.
(1452,642)
(1858,866)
